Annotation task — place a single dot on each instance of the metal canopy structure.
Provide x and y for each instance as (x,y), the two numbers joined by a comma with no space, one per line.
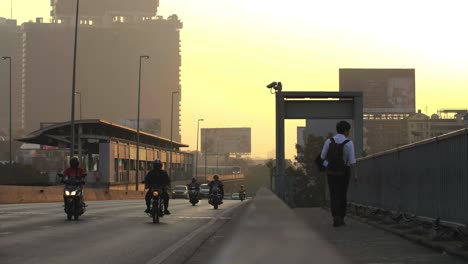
(314,105)
(94,131)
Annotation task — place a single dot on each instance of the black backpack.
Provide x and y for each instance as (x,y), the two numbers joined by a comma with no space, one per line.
(336,163)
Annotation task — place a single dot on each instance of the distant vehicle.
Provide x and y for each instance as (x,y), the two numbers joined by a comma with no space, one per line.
(236,170)
(194,195)
(215,197)
(235,196)
(242,196)
(157,204)
(73,197)
(180,191)
(204,190)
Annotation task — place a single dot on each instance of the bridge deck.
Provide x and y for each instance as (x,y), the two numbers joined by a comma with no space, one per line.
(270,232)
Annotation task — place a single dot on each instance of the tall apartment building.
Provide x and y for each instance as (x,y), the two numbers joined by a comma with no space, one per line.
(111,38)
(10,46)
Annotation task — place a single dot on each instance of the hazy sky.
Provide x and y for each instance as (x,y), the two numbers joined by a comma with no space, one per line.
(232,48)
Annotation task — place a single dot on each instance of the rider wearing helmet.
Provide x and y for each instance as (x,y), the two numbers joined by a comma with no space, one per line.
(242,189)
(75,171)
(242,192)
(194,184)
(158,177)
(219,184)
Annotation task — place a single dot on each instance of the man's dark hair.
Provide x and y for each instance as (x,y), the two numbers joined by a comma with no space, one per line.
(342,126)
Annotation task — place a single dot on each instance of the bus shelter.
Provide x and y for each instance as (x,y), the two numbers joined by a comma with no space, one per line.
(108,151)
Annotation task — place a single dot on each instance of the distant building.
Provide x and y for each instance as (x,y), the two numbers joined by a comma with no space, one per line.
(384,131)
(301,136)
(421,126)
(10,45)
(389,99)
(111,38)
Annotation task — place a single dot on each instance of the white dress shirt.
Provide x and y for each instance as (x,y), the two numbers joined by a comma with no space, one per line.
(348,150)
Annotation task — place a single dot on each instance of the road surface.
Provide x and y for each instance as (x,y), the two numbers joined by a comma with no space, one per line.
(109,232)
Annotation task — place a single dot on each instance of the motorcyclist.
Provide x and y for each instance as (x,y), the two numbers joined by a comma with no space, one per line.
(194,184)
(219,184)
(158,177)
(242,194)
(242,189)
(75,172)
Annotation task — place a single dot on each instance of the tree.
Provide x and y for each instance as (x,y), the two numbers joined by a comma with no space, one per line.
(310,184)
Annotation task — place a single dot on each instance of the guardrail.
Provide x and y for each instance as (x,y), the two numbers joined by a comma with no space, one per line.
(428,178)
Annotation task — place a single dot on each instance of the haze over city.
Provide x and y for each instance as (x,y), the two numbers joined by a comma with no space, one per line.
(141,131)
(231,49)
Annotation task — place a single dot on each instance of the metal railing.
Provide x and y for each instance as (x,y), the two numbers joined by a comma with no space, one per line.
(427,178)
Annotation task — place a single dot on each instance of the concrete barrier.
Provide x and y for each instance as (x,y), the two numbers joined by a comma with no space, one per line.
(34,194)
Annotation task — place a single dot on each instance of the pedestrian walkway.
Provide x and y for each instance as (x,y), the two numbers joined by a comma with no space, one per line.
(362,243)
(270,232)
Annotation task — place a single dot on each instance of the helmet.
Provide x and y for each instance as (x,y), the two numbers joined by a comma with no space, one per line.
(74,162)
(194,180)
(242,186)
(157,164)
(216,177)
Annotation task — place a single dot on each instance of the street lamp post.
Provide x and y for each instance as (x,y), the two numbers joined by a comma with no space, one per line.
(79,133)
(79,93)
(72,123)
(138,126)
(206,156)
(196,153)
(9,120)
(172,147)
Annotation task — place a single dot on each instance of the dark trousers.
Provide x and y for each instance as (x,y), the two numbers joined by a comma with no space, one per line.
(338,187)
(164,195)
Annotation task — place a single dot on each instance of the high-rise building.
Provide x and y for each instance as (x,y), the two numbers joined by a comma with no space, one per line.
(10,46)
(389,99)
(111,38)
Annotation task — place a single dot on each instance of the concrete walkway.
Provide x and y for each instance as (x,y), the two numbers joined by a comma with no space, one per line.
(267,231)
(362,243)
(270,232)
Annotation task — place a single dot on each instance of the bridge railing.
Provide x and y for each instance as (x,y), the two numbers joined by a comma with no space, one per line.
(428,178)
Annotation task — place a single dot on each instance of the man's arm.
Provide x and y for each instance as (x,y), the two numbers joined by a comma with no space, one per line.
(323,154)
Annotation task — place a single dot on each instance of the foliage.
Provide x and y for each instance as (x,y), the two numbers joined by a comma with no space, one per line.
(309,183)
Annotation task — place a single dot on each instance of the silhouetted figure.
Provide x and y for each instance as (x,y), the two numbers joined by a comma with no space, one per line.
(338,156)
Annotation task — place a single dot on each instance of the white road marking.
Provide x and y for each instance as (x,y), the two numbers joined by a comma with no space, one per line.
(6,233)
(203,217)
(170,250)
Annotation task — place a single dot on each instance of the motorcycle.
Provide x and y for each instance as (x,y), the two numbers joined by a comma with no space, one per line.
(193,195)
(215,198)
(242,196)
(73,197)
(157,204)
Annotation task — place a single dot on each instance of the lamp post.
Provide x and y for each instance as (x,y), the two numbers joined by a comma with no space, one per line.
(138,126)
(79,93)
(79,132)
(196,153)
(72,123)
(9,118)
(172,147)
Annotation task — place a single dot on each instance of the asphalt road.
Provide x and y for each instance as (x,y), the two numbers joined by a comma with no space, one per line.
(109,232)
